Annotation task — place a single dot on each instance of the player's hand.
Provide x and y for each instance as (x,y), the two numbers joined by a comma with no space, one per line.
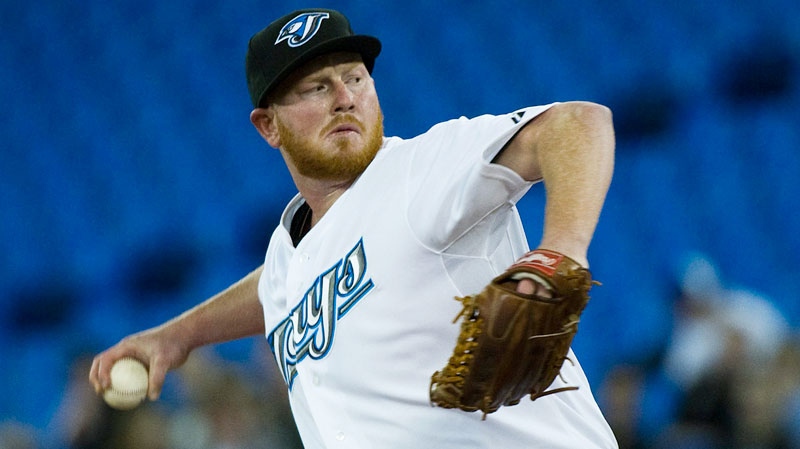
(531,287)
(153,347)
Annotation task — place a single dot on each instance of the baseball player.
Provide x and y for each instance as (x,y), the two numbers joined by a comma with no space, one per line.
(355,295)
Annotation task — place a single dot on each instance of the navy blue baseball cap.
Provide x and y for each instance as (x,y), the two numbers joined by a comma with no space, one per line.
(296,38)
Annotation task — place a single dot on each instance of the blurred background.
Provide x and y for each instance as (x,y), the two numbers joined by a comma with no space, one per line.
(133,186)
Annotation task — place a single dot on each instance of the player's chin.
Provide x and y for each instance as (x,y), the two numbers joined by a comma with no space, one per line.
(348,144)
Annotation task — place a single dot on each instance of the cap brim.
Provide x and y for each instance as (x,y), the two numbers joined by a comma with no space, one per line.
(367,46)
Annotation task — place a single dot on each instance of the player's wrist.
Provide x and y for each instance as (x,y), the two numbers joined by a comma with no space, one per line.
(573,250)
(182,332)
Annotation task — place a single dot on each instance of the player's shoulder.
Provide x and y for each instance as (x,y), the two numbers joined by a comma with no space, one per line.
(467,128)
(442,129)
(491,120)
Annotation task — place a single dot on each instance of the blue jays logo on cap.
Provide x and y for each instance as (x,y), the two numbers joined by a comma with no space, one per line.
(301,29)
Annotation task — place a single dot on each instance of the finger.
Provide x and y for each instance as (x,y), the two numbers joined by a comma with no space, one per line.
(100,372)
(93,376)
(526,286)
(542,291)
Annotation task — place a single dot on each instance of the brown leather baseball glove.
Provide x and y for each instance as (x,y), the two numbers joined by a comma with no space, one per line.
(512,344)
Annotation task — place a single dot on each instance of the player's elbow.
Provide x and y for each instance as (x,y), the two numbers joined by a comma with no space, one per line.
(584,122)
(585,114)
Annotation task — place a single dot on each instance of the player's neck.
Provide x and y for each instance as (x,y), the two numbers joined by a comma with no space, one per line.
(322,196)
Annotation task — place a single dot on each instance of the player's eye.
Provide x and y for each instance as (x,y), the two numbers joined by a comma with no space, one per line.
(312,89)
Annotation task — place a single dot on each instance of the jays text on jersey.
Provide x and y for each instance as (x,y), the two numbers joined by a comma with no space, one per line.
(359,314)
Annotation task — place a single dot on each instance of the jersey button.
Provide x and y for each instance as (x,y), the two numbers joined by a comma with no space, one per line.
(340,436)
(315,380)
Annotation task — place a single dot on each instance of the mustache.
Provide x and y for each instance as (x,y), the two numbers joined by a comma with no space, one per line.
(340,120)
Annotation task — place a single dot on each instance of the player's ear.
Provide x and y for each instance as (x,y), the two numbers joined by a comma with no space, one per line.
(264,121)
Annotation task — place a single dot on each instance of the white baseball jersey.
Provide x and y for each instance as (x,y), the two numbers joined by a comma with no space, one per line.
(359,315)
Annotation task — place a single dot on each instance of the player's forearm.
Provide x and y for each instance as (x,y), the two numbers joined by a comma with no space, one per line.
(576,159)
(232,314)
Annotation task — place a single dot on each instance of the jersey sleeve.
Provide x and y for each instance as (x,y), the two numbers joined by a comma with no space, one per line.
(454,186)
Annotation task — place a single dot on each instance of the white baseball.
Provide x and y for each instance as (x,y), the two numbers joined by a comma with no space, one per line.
(128,384)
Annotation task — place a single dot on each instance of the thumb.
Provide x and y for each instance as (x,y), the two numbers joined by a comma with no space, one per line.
(158,372)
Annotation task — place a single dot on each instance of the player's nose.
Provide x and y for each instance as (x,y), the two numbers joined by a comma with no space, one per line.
(344,98)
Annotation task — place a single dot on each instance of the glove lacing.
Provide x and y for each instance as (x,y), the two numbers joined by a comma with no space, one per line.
(466,344)
(458,365)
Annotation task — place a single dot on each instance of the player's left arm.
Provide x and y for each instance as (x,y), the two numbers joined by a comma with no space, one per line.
(570,147)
